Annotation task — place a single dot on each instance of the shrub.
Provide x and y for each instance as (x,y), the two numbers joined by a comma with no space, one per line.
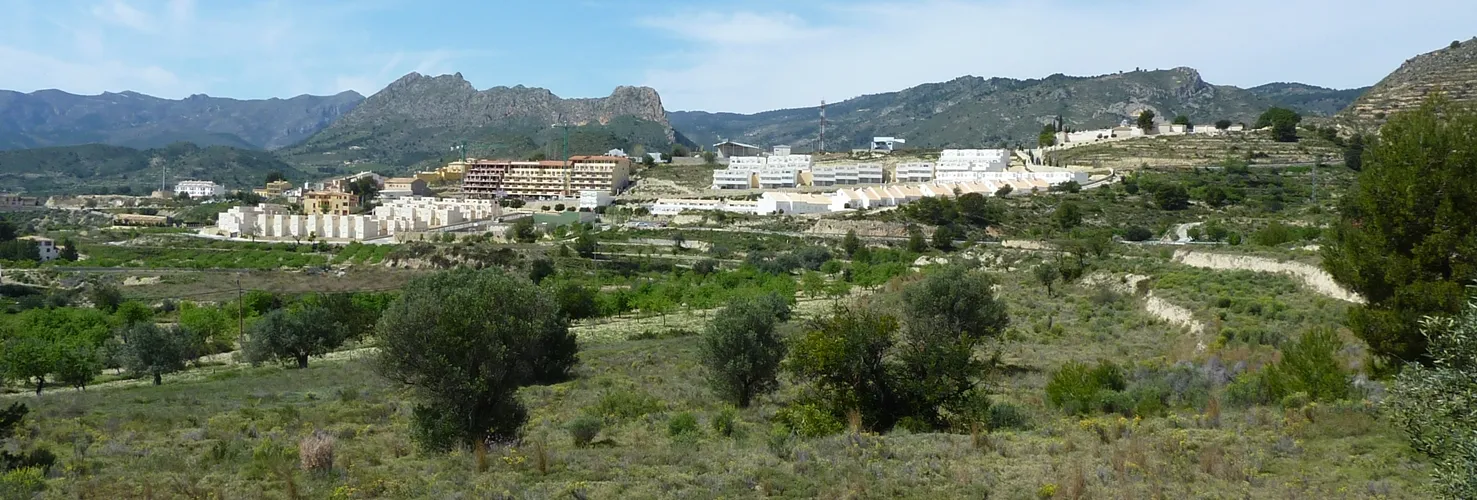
(1073,388)
(808,420)
(1137,233)
(1310,366)
(583,429)
(725,422)
(1008,416)
(625,405)
(315,452)
(682,425)
(22,483)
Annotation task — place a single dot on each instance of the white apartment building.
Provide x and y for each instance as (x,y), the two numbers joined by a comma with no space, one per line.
(733,178)
(200,189)
(869,173)
(777,178)
(823,176)
(968,164)
(782,150)
(914,172)
(772,172)
(591,199)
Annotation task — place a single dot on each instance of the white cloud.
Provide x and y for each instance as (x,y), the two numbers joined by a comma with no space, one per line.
(121,13)
(748,61)
(20,69)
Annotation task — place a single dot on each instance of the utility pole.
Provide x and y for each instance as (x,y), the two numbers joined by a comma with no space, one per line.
(566,154)
(1315,179)
(240,310)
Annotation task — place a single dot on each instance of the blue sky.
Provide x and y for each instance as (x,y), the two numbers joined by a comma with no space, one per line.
(712,55)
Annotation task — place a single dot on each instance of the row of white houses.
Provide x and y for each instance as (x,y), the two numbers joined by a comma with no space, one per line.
(873,197)
(401,215)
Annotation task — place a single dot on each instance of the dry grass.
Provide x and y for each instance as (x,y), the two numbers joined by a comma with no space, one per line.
(315,452)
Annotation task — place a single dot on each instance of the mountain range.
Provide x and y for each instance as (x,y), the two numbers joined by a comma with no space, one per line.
(972,111)
(101,168)
(55,118)
(419,120)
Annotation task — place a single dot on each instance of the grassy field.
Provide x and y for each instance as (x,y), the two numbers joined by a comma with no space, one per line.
(232,431)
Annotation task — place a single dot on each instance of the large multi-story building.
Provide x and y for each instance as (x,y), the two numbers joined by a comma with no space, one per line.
(599,173)
(547,179)
(328,203)
(200,189)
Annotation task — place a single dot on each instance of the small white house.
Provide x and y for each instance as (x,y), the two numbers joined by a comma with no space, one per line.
(45,246)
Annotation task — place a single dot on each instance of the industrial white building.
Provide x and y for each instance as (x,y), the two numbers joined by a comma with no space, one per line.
(200,189)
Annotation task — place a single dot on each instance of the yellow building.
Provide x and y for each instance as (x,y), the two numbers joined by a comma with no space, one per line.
(273,189)
(328,203)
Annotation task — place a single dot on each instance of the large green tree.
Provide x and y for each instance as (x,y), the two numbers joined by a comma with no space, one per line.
(465,341)
(1283,121)
(742,348)
(1146,121)
(1407,238)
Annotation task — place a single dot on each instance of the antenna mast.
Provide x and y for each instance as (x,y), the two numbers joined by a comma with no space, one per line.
(823,126)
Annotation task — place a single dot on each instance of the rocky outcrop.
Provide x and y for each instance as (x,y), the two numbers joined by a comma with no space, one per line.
(1451,70)
(452,101)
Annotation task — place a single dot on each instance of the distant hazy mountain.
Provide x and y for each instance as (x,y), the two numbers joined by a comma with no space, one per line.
(1451,70)
(85,168)
(419,118)
(55,118)
(973,111)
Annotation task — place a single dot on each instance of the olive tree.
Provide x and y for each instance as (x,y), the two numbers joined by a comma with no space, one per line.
(465,341)
(742,348)
(150,349)
(946,317)
(1434,404)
